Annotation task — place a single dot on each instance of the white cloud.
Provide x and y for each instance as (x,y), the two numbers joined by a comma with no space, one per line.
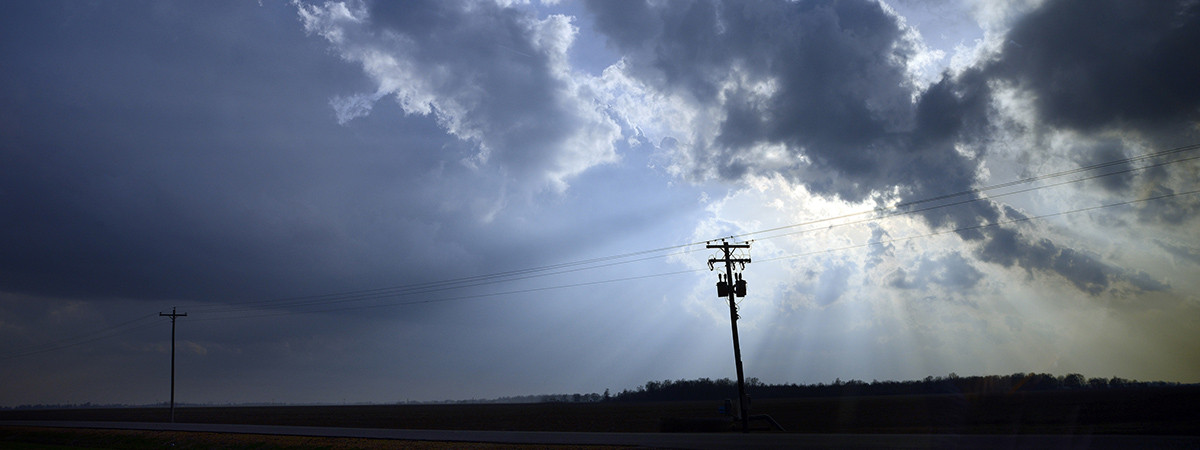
(495,76)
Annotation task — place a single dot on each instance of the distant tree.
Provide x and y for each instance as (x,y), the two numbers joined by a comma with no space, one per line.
(1073,381)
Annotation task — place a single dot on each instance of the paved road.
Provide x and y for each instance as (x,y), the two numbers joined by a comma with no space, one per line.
(675,440)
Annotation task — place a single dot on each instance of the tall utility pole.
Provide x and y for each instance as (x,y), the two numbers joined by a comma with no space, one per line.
(173,315)
(727,287)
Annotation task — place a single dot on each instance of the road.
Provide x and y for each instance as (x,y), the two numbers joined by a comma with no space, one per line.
(674,440)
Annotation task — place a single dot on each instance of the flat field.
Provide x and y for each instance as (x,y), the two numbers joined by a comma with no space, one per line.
(34,438)
(1159,411)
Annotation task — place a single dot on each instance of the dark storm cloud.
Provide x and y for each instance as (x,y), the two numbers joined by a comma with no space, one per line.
(841,94)
(840,99)
(1112,66)
(1108,63)
(187,151)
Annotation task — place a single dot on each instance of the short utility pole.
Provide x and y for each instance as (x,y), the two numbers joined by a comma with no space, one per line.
(172,315)
(728,287)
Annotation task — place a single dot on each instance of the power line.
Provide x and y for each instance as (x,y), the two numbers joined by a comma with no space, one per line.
(778,258)
(462,297)
(455,283)
(128,326)
(970,200)
(136,324)
(980,190)
(900,209)
(419,289)
(983,226)
(625,258)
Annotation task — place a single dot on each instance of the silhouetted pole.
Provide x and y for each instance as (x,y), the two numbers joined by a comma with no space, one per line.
(732,290)
(172,315)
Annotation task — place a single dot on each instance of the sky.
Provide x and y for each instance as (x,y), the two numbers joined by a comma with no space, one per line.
(382,202)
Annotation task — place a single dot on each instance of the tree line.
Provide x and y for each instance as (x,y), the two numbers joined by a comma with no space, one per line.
(704,389)
(709,389)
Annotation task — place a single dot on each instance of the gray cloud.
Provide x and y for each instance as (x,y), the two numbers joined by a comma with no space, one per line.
(1092,65)
(951,271)
(1084,270)
(186,153)
(828,82)
(880,250)
(1181,252)
(1105,152)
(195,157)
(493,76)
(1171,211)
(827,79)
(1112,68)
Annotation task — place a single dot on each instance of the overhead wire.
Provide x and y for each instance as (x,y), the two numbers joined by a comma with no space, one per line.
(778,258)
(462,297)
(973,199)
(362,296)
(904,208)
(114,330)
(340,298)
(138,323)
(577,266)
(982,226)
(463,282)
(979,190)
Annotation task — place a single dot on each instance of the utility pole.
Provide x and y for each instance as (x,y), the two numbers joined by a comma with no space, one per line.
(173,315)
(727,287)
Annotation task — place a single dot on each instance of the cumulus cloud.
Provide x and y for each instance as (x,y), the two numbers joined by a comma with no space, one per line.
(826,81)
(822,93)
(1092,65)
(825,94)
(492,75)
